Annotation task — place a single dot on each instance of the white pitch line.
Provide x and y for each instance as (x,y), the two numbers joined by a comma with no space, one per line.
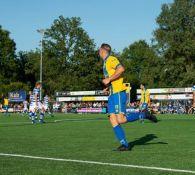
(79,120)
(13,123)
(99,163)
(55,121)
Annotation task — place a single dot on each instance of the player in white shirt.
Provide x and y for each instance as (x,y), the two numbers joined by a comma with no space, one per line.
(31,96)
(47,105)
(25,107)
(35,104)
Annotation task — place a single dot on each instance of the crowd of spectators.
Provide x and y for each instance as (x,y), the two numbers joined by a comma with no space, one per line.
(176,107)
(163,107)
(170,107)
(73,106)
(13,107)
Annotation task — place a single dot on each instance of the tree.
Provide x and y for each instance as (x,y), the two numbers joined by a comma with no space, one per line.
(141,64)
(14,86)
(175,39)
(28,64)
(7,57)
(70,60)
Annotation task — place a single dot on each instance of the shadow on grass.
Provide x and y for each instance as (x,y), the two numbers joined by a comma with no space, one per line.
(145,139)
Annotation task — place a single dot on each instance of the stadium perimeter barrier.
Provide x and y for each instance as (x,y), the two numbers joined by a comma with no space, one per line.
(87,97)
(83,97)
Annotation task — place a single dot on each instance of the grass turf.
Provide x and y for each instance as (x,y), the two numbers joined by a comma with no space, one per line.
(169,144)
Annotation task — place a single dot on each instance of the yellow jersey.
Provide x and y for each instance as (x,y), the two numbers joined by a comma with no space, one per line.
(145,96)
(6,102)
(110,65)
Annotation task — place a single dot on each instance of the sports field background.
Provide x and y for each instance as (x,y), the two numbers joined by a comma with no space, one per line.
(168,144)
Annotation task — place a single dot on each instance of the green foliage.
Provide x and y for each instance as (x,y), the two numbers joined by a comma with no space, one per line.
(7,56)
(141,63)
(28,67)
(70,61)
(14,86)
(176,42)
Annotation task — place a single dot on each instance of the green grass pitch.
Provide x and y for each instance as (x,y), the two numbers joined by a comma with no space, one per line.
(89,137)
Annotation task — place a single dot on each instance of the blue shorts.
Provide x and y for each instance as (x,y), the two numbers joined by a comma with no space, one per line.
(6,107)
(117,103)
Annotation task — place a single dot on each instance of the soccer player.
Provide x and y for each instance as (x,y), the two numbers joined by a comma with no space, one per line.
(31,97)
(145,95)
(45,102)
(6,105)
(113,80)
(46,105)
(192,108)
(25,107)
(145,98)
(36,104)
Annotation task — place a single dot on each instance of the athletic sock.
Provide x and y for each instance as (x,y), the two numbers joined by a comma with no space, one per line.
(32,116)
(41,116)
(120,134)
(35,114)
(142,115)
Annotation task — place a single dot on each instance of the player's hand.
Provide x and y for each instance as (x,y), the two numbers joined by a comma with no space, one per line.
(106,81)
(106,91)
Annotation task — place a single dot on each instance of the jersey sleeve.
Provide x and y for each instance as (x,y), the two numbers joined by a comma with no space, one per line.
(114,63)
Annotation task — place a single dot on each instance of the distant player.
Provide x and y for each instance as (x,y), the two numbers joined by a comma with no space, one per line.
(113,80)
(31,103)
(46,105)
(192,108)
(145,98)
(46,102)
(25,107)
(35,105)
(32,107)
(6,105)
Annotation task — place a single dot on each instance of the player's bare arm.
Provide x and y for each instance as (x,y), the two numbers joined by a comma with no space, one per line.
(106,90)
